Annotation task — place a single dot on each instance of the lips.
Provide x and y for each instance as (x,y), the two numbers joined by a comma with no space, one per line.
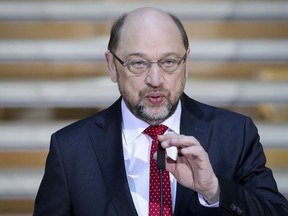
(155,97)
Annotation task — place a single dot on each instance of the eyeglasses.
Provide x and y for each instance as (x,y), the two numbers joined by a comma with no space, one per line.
(138,67)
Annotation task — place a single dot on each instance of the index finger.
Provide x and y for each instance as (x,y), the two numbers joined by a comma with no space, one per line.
(177,140)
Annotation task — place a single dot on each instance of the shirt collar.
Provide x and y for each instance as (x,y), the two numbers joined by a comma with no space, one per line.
(133,126)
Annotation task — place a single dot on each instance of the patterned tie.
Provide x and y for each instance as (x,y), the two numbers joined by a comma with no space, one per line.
(154,190)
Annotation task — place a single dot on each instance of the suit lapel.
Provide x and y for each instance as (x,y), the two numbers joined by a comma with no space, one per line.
(107,143)
(192,124)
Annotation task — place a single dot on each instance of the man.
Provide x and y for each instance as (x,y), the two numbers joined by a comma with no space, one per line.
(100,165)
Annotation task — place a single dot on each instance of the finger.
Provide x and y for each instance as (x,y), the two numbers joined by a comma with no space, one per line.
(191,150)
(195,154)
(170,165)
(179,141)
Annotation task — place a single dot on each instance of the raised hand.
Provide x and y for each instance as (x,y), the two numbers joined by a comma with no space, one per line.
(192,167)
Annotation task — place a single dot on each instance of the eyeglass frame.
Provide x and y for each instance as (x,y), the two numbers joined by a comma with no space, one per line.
(124,63)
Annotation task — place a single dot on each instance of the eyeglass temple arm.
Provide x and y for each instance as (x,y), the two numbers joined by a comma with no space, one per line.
(118,59)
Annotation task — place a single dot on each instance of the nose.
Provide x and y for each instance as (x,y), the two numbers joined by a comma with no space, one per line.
(155,76)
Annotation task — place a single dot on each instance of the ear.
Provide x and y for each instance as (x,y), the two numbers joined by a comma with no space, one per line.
(111,66)
(187,62)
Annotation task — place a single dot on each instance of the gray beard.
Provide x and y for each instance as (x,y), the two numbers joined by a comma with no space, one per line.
(142,113)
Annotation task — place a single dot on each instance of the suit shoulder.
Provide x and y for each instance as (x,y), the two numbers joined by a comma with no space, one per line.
(77,126)
(213,110)
(209,112)
(98,119)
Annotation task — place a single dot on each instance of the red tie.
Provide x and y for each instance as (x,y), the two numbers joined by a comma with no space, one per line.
(154,190)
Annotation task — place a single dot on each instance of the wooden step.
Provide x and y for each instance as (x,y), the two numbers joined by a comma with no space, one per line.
(275,74)
(101,92)
(20,183)
(195,29)
(238,70)
(272,113)
(230,70)
(52,70)
(41,115)
(16,207)
(94,49)
(276,158)
(227,29)
(208,10)
(53,29)
(266,113)
(23,159)
(33,138)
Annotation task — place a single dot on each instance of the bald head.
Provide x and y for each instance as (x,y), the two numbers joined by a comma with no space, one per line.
(146,12)
(148,17)
(149,24)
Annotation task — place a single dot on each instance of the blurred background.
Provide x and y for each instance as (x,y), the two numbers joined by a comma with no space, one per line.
(53,72)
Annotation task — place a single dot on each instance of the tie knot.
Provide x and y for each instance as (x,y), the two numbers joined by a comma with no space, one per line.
(154,130)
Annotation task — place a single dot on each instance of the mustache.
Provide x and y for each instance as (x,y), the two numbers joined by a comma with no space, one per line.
(149,90)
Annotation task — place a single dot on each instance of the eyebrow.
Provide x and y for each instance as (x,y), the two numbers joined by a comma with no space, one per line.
(142,55)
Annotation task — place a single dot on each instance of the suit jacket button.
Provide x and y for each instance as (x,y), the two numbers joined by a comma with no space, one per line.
(238,211)
(233,207)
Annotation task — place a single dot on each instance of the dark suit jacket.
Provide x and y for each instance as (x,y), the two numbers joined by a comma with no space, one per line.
(85,172)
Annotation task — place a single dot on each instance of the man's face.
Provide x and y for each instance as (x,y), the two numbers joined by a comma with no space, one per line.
(152,96)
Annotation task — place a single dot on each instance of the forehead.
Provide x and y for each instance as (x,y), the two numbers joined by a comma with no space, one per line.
(147,31)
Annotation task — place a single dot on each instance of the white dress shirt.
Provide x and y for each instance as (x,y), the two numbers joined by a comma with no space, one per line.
(136,147)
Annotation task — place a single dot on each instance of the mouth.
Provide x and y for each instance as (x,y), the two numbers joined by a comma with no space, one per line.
(155,98)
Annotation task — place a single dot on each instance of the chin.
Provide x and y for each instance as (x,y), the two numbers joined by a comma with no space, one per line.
(154,116)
